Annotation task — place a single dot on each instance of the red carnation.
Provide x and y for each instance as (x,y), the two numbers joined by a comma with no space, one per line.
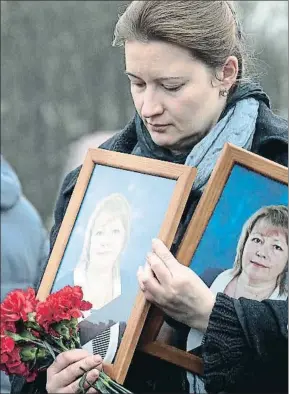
(30,376)
(65,304)
(7,344)
(17,305)
(10,356)
(6,326)
(57,315)
(7,347)
(10,360)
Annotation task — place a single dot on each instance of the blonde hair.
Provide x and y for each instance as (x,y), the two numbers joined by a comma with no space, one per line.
(208,29)
(117,206)
(277,216)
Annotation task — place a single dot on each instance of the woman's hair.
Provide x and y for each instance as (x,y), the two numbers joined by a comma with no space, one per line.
(277,216)
(116,207)
(208,29)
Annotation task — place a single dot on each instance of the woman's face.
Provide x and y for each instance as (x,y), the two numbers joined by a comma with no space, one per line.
(172,93)
(107,240)
(266,252)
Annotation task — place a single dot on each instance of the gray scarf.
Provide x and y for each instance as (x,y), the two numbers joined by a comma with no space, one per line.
(237,127)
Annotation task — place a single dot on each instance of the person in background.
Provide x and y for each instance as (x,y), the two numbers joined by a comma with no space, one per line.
(186,65)
(24,241)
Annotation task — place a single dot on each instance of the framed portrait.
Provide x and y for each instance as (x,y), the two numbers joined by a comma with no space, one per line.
(244,206)
(119,204)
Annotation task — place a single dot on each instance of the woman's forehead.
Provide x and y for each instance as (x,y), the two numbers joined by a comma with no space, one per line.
(105,218)
(266,228)
(157,58)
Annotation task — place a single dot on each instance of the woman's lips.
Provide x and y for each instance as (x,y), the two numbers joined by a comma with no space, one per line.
(103,252)
(159,128)
(258,264)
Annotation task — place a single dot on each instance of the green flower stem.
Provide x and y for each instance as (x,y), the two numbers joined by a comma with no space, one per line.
(38,343)
(107,385)
(104,384)
(57,342)
(113,383)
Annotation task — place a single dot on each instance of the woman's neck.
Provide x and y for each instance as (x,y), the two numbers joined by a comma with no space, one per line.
(253,289)
(188,143)
(99,277)
(100,287)
(101,270)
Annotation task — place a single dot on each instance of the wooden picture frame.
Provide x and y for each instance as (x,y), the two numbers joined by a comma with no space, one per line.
(230,157)
(179,180)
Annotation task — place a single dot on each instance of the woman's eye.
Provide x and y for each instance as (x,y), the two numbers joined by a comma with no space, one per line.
(173,88)
(137,84)
(256,240)
(277,247)
(116,231)
(99,233)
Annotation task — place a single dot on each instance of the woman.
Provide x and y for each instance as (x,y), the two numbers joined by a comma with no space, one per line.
(259,271)
(99,274)
(261,263)
(186,64)
(98,271)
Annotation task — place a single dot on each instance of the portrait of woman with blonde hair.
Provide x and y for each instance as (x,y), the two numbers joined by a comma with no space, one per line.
(98,272)
(107,233)
(259,271)
(106,236)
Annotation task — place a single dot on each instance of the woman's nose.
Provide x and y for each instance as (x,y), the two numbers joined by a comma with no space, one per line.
(105,241)
(151,105)
(261,253)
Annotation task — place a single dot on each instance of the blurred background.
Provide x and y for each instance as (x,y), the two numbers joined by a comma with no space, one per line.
(63,88)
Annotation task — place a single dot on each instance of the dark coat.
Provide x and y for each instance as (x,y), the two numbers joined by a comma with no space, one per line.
(247,351)
(147,374)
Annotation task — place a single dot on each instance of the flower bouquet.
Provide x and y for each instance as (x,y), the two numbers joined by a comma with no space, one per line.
(34,332)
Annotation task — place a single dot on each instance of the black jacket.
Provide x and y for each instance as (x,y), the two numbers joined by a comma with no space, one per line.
(245,348)
(270,140)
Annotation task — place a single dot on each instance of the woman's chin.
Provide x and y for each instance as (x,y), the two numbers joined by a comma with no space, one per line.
(162,140)
(256,276)
(105,257)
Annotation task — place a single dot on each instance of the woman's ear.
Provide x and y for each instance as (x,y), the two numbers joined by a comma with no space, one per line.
(229,73)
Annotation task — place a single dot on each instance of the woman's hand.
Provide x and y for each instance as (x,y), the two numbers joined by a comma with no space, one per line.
(176,289)
(64,374)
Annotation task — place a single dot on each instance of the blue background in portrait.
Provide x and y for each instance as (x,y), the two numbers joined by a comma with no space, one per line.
(149,197)
(244,193)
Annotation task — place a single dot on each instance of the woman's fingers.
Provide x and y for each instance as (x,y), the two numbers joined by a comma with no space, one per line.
(145,275)
(160,269)
(72,372)
(70,366)
(66,358)
(163,253)
(91,378)
(149,284)
(140,276)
